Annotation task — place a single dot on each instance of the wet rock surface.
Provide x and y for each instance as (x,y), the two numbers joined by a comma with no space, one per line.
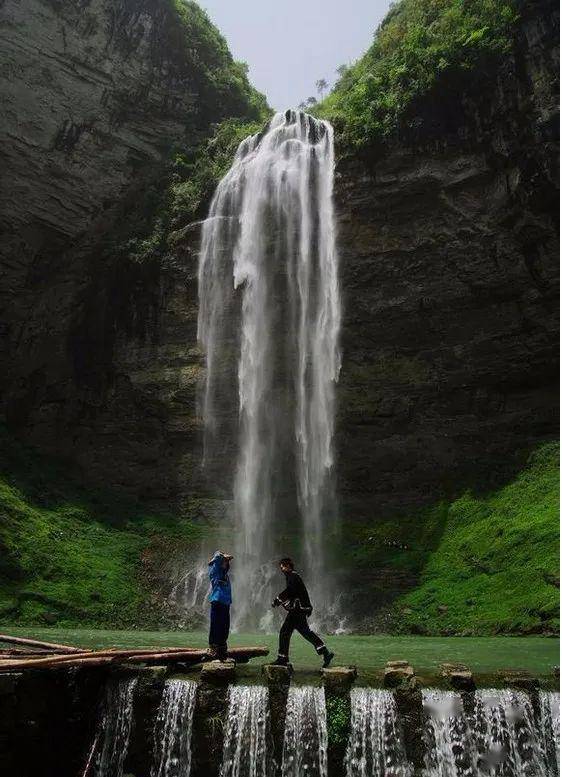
(339,677)
(458,676)
(449,259)
(218,671)
(277,674)
(398,673)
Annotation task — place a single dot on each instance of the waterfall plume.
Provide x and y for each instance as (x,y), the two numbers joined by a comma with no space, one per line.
(269,321)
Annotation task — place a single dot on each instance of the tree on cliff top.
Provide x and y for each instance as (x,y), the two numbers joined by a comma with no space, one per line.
(415,44)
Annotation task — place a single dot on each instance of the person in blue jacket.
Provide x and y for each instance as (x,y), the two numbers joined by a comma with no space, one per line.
(221,599)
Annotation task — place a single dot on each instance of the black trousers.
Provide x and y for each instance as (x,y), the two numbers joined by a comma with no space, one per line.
(220,626)
(297,621)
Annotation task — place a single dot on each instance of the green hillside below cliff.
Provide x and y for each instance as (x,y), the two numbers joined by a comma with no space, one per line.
(69,555)
(479,565)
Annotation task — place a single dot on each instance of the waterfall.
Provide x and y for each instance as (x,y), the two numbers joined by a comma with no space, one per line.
(116,724)
(245,751)
(448,738)
(375,746)
(269,320)
(506,733)
(172,732)
(550,729)
(305,746)
(500,737)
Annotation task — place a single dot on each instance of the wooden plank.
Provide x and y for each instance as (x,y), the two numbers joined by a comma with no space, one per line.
(103,657)
(49,646)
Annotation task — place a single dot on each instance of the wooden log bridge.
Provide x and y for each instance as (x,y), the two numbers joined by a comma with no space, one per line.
(45,655)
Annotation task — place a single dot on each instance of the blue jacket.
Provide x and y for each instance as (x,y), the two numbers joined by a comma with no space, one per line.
(220,584)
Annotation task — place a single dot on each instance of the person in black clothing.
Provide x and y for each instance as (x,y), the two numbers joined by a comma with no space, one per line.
(296,601)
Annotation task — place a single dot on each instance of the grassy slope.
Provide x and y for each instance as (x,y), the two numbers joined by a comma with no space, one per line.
(496,567)
(74,556)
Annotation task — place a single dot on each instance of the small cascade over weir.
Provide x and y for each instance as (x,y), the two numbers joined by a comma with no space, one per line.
(500,736)
(550,729)
(449,743)
(117,719)
(305,746)
(172,730)
(375,746)
(269,321)
(245,751)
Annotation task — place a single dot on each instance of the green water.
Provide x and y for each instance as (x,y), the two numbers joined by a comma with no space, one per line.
(483,655)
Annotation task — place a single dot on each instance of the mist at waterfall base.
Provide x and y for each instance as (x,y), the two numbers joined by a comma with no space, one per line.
(269,321)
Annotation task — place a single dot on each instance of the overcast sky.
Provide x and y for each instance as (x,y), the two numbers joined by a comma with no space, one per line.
(290,44)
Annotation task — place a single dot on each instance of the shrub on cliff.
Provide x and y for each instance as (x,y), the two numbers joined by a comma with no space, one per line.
(418,41)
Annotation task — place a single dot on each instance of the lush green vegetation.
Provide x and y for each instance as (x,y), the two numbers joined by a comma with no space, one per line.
(496,566)
(226,109)
(222,85)
(419,44)
(482,654)
(338,712)
(69,555)
(182,193)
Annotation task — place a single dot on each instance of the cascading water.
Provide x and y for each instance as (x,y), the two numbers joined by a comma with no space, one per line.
(117,718)
(550,729)
(172,731)
(375,746)
(305,745)
(245,752)
(500,736)
(270,301)
(448,738)
(507,739)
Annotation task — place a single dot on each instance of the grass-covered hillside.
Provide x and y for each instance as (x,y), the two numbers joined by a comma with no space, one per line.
(419,44)
(69,555)
(486,564)
(496,567)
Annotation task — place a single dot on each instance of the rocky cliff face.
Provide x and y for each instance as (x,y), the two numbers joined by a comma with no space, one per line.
(449,254)
(448,243)
(97,356)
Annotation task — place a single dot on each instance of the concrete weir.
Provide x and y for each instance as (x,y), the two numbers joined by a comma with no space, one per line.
(229,721)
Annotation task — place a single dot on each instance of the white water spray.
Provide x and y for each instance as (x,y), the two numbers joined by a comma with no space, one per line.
(269,298)
(305,745)
(375,747)
(245,752)
(172,731)
(116,725)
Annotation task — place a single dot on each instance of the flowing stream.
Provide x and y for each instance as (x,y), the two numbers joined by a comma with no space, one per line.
(305,745)
(172,731)
(375,747)
(116,725)
(245,752)
(269,321)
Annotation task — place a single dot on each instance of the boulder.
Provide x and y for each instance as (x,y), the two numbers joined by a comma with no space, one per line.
(277,674)
(218,671)
(397,672)
(458,676)
(519,679)
(339,677)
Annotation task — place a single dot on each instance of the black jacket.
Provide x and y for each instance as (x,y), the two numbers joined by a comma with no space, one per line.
(295,596)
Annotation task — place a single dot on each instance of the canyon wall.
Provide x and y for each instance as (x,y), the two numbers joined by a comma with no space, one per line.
(449,265)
